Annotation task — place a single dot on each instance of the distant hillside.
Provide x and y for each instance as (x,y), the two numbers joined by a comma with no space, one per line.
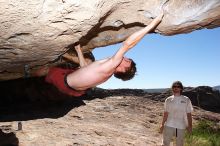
(159,90)
(216,87)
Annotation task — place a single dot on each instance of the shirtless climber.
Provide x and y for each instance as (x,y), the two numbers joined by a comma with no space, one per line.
(76,82)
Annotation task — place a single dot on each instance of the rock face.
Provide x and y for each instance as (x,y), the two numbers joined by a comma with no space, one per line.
(34,33)
(204,97)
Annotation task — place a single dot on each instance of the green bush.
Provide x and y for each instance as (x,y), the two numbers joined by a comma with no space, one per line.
(205,133)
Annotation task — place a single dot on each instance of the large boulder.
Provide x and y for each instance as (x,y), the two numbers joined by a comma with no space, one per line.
(37,32)
(204,97)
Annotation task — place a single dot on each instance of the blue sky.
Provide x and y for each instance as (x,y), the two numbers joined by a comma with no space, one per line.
(192,58)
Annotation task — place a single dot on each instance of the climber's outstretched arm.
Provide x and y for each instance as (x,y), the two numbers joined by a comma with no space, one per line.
(132,40)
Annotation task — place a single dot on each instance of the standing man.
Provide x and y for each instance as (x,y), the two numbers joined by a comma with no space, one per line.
(177,116)
(76,82)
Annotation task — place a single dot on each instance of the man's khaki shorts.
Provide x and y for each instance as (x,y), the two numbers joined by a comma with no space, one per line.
(170,132)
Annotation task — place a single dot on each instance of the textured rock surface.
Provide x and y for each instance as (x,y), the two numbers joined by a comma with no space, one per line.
(37,32)
(112,121)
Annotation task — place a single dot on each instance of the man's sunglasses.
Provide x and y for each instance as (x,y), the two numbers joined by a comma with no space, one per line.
(176,86)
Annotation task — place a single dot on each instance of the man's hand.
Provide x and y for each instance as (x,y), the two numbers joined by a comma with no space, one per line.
(78,47)
(189,129)
(79,52)
(160,16)
(161,129)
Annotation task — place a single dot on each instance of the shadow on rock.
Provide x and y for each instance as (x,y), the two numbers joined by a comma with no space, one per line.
(8,139)
(27,99)
(103,93)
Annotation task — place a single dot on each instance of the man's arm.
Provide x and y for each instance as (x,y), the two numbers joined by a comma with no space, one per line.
(165,115)
(132,40)
(189,119)
(82,61)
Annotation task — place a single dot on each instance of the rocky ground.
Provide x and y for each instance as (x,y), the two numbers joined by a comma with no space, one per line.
(102,118)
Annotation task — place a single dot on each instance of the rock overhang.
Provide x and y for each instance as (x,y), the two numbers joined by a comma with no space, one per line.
(38,32)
